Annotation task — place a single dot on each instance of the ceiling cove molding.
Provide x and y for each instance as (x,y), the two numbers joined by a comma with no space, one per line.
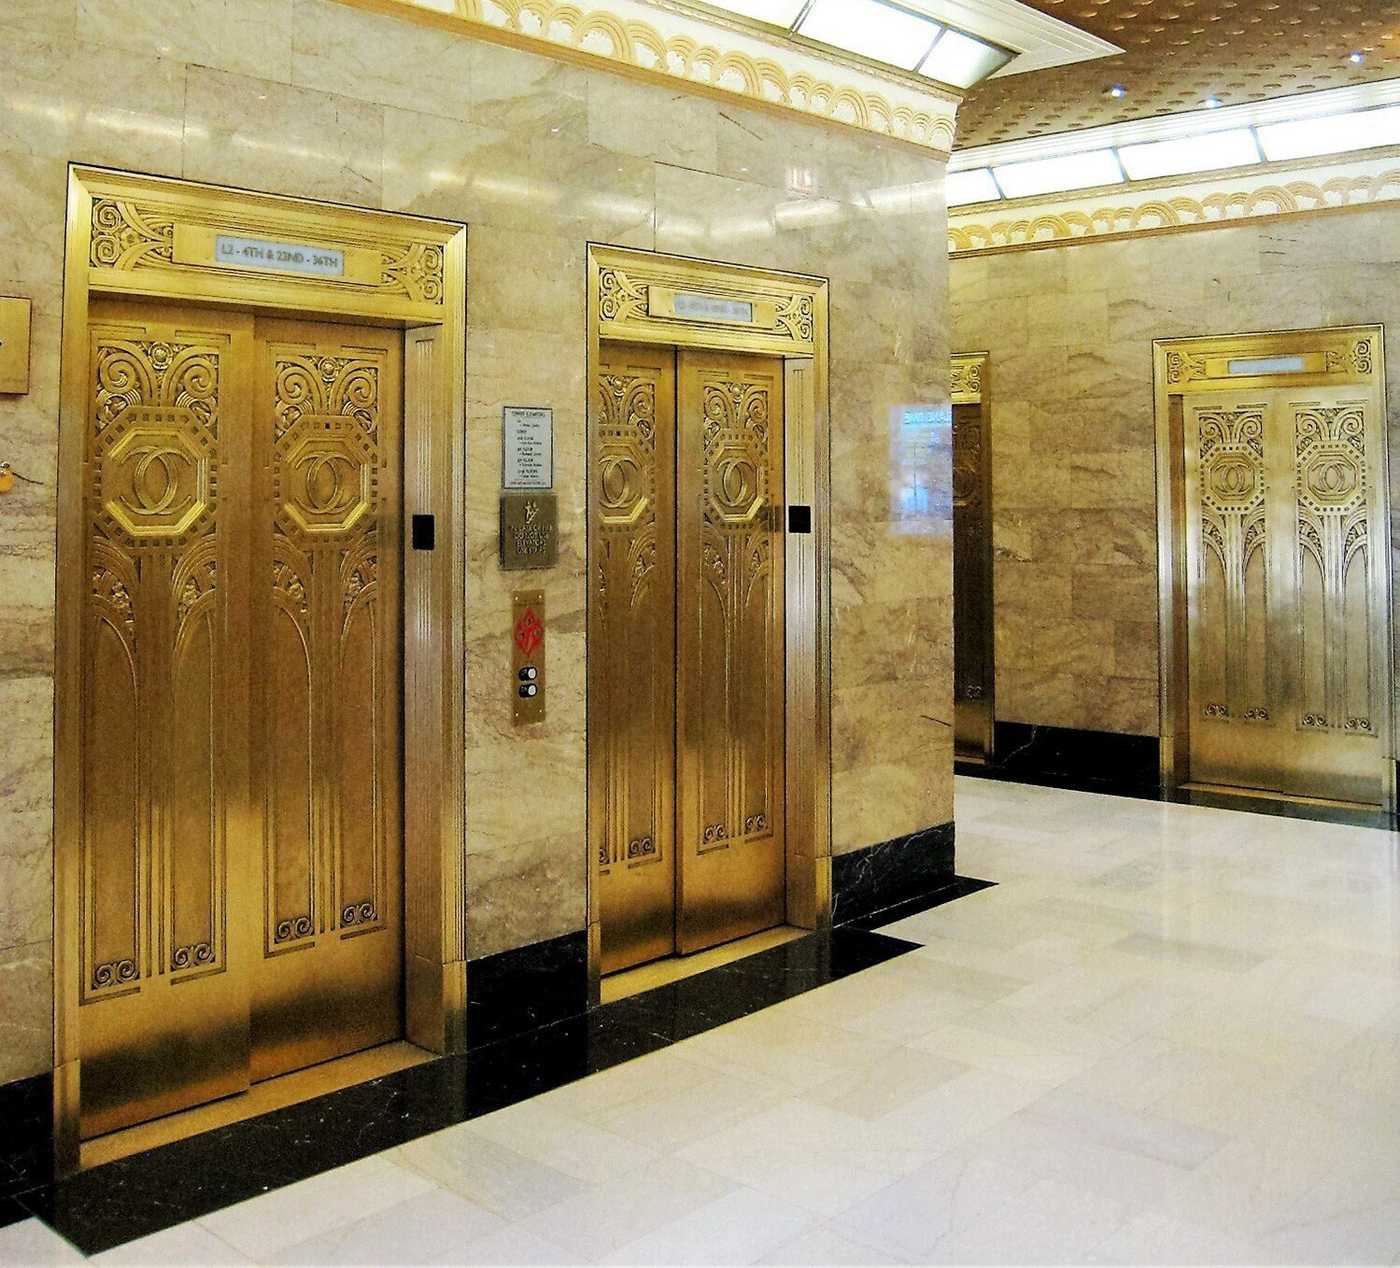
(1041,41)
(1174,127)
(662,40)
(1174,206)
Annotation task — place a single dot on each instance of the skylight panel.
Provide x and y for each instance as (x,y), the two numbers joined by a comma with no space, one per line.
(1208,152)
(960,60)
(971,187)
(778,12)
(871,29)
(1057,175)
(1331,134)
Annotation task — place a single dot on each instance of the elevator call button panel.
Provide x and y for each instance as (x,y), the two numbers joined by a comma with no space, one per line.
(527,657)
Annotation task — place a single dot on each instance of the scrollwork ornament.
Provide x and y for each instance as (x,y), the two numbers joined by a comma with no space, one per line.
(195,955)
(292,929)
(619,298)
(114,973)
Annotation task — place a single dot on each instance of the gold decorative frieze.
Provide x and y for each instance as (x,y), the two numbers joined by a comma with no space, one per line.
(648,298)
(967,378)
(218,246)
(710,53)
(1165,207)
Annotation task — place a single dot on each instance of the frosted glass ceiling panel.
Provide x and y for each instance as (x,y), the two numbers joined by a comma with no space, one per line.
(1047,176)
(871,29)
(778,12)
(960,60)
(1355,130)
(971,187)
(1205,153)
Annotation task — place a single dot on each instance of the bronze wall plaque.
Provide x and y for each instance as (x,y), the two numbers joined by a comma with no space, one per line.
(529,532)
(14,345)
(527,657)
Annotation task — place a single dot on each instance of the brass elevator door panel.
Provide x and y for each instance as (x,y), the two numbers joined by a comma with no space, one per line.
(631,642)
(241,852)
(1288,655)
(972,585)
(730,652)
(326,692)
(163,951)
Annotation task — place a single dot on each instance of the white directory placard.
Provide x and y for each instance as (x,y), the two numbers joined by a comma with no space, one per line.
(528,447)
(712,308)
(283,257)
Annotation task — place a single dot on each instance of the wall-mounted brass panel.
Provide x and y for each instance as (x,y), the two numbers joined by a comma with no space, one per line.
(1274,566)
(15,317)
(529,531)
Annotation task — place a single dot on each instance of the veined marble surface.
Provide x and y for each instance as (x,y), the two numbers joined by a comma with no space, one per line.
(1170,1034)
(316,99)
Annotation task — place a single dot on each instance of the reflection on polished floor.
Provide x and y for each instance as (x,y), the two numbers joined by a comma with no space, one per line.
(1171,1034)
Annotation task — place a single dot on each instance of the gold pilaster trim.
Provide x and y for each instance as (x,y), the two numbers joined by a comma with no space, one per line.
(1190,204)
(710,56)
(966,384)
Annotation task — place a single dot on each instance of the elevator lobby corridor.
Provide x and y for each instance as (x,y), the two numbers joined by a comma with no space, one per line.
(1169,1034)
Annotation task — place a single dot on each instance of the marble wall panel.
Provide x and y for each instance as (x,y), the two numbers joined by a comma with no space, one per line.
(1070,334)
(316,99)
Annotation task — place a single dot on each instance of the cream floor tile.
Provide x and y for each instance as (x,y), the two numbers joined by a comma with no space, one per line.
(707,1103)
(1018,1057)
(1051,1223)
(626,1206)
(516,1246)
(738,1228)
(263,1226)
(428,1229)
(185,1244)
(903,1076)
(568,1144)
(823,1245)
(31,1242)
(1103,1123)
(1154,1239)
(908,1218)
(966,1106)
(487,1173)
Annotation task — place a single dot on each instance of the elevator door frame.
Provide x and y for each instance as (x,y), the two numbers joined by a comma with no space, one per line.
(1341,356)
(970,386)
(148,238)
(637,297)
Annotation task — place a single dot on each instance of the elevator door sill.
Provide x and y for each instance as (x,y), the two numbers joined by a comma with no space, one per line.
(647,977)
(272,1094)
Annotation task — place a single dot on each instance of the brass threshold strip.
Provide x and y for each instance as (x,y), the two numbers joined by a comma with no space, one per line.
(647,977)
(261,1098)
(1269,794)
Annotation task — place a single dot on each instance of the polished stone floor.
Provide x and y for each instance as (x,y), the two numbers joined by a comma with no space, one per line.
(1171,1034)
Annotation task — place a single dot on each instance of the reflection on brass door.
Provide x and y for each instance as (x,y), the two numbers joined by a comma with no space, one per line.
(1286,558)
(631,646)
(686,657)
(164,1008)
(241,509)
(326,706)
(730,709)
(972,585)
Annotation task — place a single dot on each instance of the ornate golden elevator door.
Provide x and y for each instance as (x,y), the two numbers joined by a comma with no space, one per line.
(1286,556)
(240,842)
(686,670)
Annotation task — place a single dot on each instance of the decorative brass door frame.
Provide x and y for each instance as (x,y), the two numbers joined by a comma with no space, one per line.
(1225,390)
(974,664)
(635,297)
(144,237)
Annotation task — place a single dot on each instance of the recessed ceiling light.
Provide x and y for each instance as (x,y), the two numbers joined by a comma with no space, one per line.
(1330,134)
(1115,91)
(1212,103)
(1055,175)
(871,29)
(1357,58)
(971,187)
(962,61)
(1207,153)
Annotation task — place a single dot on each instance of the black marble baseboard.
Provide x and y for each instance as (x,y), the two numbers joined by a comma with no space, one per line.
(147,1192)
(26,1141)
(518,991)
(1061,757)
(870,881)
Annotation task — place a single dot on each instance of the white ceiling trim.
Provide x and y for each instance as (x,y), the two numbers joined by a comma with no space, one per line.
(1041,41)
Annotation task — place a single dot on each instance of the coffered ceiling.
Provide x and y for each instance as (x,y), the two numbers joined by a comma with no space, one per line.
(1179,54)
